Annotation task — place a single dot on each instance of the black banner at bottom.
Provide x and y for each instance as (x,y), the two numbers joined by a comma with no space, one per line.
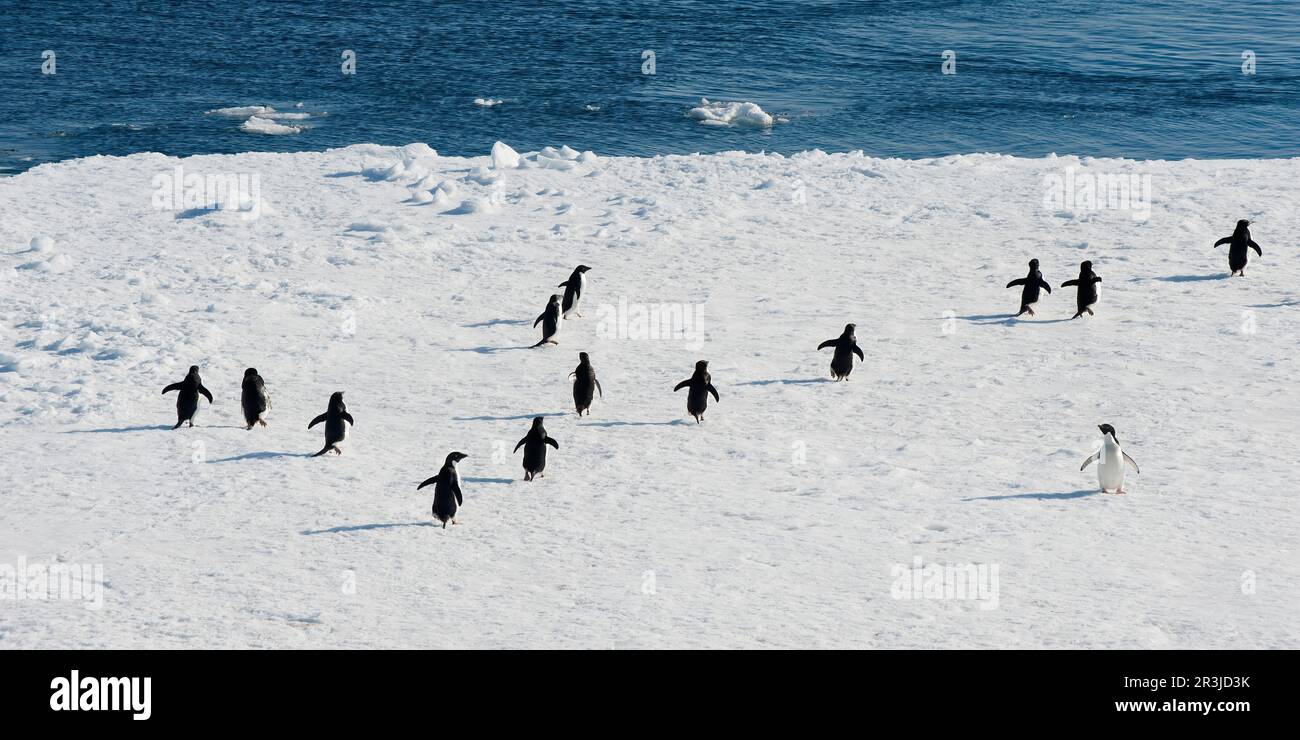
(237,689)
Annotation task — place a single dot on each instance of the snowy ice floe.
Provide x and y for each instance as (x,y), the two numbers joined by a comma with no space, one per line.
(242,111)
(488,102)
(256,125)
(731,114)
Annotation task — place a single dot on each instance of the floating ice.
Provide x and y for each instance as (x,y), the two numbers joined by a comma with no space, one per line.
(488,102)
(256,125)
(730,114)
(242,111)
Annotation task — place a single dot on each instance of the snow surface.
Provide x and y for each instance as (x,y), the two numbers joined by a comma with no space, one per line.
(778,522)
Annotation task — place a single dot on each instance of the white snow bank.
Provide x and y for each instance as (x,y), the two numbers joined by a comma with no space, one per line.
(730,114)
(503,157)
(784,520)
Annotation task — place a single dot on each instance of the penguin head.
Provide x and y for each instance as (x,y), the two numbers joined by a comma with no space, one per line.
(1033,264)
(1107,429)
(1242,224)
(537,422)
(194,369)
(456,457)
(554,298)
(583,358)
(849,329)
(702,366)
(582,268)
(336,399)
(250,372)
(1085,266)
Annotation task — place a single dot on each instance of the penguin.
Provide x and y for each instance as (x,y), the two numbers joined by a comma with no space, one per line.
(534,444)
(846,345)
(1239,252)
(573,288)
(701,385)
(1087,282)
(254,399)
(550,321)
(585,384)
(335,430)
(446,494)
(1033,282)
(187,402)
(1111,457)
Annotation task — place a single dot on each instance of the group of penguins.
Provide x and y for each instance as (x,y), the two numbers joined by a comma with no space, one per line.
(447,496)
(1238,255)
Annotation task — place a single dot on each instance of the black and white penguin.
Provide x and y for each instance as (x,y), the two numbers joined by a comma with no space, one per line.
(1110,459)
(534,444)
(335,430)
(446,491)
(550,321)
(1033,283)
(846,345)
(187,402)
(573,289)
(1239,252)
(1087,283)
(585,385)
(253,398)
(701,385)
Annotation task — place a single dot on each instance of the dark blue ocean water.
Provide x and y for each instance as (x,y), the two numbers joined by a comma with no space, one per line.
(1144,80)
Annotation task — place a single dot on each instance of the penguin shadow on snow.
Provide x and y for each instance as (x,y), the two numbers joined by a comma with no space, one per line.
(1082,493)
(365,527)
(518,417)
(788,381)
(673,423)
(121,430)
(497,322)
(1182,278)
(1006,319)
(261,456)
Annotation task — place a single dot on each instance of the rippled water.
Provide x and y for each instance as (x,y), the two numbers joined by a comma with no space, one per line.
(1140,80)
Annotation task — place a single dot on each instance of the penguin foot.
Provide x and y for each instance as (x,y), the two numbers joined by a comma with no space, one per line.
(263,423)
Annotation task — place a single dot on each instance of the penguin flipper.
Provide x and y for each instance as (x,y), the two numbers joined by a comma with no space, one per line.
(1255,247)
(1068,283)
(317,420)
(521,444)
(172,387)
(1094,457)
(206,392)
(714,391)
(1096,278)
(1043,284)
(348,417)
(681,385)
(599,389)
(429,482)
(551,441)
(858,351)
(1130,461)
(538,320)
(1017,281)
(1224,240)
(828,343)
